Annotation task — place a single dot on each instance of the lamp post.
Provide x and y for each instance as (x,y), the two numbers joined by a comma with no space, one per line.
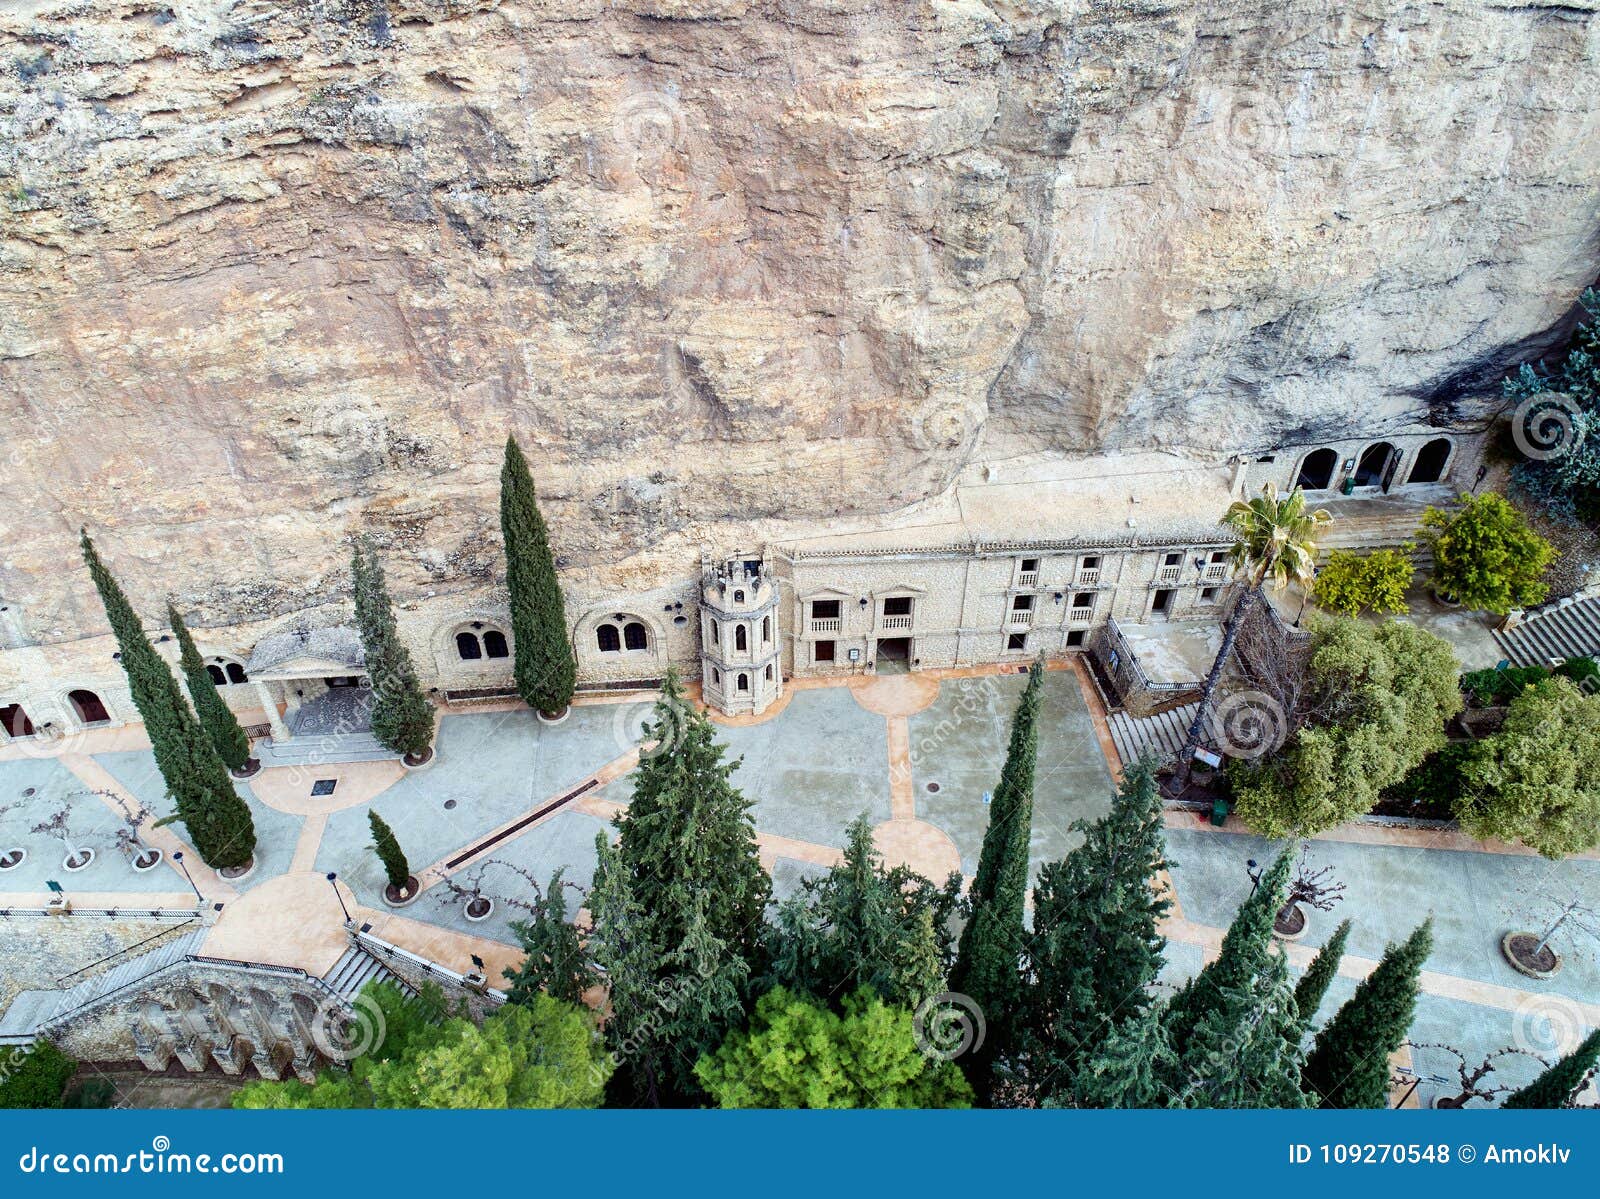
(177,856)
(333,881)
(1253,869)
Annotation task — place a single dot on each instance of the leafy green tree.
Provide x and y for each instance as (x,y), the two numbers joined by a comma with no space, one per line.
(1485,556)
(545,670)
(1352,583)
(799,1053)
(1378,699)
(387,847)
(218,821)
(1559,1085)
(554,960)
(1349,1062)
(402,717)
(35,1076)
(1312,988)
(1096,945)
(221,725)
(864,925)
(988,957)
(1538,779)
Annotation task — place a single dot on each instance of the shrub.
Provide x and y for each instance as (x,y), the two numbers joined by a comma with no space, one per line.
(34,1077)
(1485,555)
(1495,686)
(1585,672)
(1351,584)
(1431,789)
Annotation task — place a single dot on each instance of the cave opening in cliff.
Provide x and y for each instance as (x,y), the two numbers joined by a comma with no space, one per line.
(1316,472)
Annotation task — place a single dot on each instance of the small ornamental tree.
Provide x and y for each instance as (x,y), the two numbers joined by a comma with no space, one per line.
(1351,583)
(1485,556)
(545,670)
(221,725)
(1559,1085)
(387,847)
(1538,779)
(1349,1062)
(217,820)
(402,718)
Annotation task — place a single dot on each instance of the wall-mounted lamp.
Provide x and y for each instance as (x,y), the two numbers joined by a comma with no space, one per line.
(1059,597)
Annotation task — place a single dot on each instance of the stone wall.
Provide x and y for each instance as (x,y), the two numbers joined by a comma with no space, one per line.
(40,953)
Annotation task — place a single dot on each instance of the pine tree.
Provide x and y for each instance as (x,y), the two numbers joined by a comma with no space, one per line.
(1349,1062)
(545,670)
(221,725)
(679,905)
(554,960)
(1558,1085)
(987,960)
(1129,1068)
(387,847)
(402,718)
(218,821)
(1096,945)
(863,925)
(1314,983)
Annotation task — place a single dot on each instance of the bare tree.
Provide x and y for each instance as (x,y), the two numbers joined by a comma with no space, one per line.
(56,825)
(1555,915)
(130,838)
(1474,1079)
(1314,888)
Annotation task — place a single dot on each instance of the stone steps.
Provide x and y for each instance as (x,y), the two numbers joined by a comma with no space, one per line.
(356,969)
(329,748)
(1163,734)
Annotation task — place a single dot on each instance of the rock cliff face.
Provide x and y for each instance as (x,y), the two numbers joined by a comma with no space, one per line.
(273,271)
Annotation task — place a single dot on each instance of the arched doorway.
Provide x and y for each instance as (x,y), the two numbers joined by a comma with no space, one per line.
(1431,460)
(1316,471)
(88,707)
(1376,465)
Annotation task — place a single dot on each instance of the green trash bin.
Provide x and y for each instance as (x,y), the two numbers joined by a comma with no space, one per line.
(1348,486)
(1219,812)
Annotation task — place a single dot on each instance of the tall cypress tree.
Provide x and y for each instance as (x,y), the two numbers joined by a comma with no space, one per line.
(1096,945)
(554,959)
(387,846)
(1558,1085)
(218,821)
(679,904)
(1314,983)
(1349,1062)
(987,959)
(1131,1068)
(221,725)
(402,717)
(545,671)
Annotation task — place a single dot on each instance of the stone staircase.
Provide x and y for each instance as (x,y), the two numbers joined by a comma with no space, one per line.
(1162,734)
(1366,523)
(1568,628)
(336,726)
(356,969)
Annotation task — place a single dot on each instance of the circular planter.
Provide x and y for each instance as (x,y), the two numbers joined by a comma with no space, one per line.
(402,899)
(1291,924)
(1445,601)
(1447,1103)
(12,858)
(480,909)
(83,858)
(236,874)
(1518,949)
(422,763)
(251,768)
(148,859)
(553,717)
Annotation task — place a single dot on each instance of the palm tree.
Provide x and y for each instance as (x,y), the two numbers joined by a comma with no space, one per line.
(1277,540)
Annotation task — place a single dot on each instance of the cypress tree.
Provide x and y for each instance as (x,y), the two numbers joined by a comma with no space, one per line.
(221,725)
(554,960)
(545,670)
(1130,1068)
(1557,1086)
(387,847)
(1314,983)
(1096,945)
(218,821)
(987,959)
(679,905)
(1349,1062)
(402,717)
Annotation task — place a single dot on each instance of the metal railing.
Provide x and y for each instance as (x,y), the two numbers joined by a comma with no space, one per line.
(61,980)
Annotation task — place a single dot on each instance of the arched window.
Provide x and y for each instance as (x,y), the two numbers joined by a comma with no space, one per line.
(1316,472)
(1429,466)
(217,677)
(769,672)
(744,682)
(606,637)
(716,633)
(88,707)
(634,636)
(236,673)
(716,676)
(741,641)
(1373,469)
(468,648)
(738,597)
(766,630)
(494,644)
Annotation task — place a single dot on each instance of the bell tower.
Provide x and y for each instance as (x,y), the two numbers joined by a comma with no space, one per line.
(741,671)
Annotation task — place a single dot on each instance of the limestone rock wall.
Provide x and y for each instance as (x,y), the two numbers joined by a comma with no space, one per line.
(270,272)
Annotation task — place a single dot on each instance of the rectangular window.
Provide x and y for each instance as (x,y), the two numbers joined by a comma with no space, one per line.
(1029,565)
(1172,560)
(1163,602)
(822,651)
(899,605)
(1083,599)
(1218,556)
(824,609)
(1208,595)
(1022,603)
(1092,562)
(1016,642)
(1075,637)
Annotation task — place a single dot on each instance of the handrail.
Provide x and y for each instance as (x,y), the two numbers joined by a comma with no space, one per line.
(150,913)
(61,979)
